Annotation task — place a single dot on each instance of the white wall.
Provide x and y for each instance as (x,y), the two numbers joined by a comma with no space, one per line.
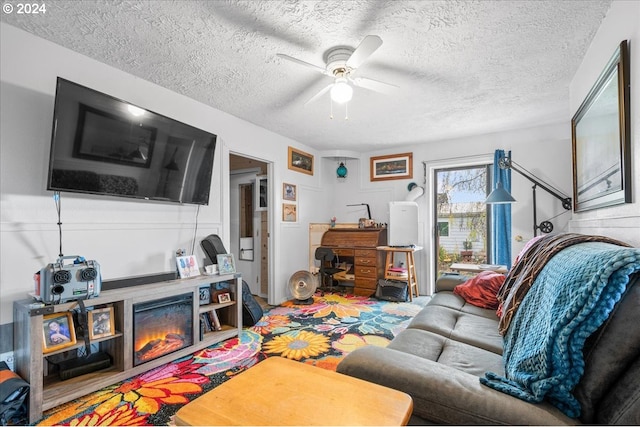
(126,237)
(621,23)
(545,151)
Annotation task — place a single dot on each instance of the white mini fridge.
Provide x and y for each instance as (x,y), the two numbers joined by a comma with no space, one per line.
(403,224)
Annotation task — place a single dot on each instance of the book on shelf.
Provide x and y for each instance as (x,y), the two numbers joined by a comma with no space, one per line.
(215,320)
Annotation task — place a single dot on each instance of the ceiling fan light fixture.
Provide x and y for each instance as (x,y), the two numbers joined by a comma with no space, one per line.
(341,91)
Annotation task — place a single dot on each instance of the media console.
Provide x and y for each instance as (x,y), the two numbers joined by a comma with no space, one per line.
(47,390)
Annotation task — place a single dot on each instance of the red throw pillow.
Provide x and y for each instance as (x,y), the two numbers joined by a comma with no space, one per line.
(481,290)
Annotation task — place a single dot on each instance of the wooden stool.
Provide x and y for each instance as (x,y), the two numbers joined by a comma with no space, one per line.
(411,277)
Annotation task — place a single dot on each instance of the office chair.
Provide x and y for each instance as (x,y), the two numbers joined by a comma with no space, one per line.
(326,257)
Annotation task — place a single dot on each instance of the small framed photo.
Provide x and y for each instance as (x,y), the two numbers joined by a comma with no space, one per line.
(226,264)
(289,192)
(57,332)
(102,323)
(300,161)
(205,295)
(394,166)
(289,212)
(187,266)
(224,297)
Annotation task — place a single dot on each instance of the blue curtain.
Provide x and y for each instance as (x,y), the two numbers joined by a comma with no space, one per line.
(501,216)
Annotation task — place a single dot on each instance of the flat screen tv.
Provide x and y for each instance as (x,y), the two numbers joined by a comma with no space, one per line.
(103,145)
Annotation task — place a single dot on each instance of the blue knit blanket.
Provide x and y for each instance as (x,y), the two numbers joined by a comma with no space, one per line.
(571,297)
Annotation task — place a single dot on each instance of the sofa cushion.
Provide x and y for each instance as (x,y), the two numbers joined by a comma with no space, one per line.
(442,394)
(456,302)
(481,290)
(604,367)
(621,404)
(455,354)
(475,330)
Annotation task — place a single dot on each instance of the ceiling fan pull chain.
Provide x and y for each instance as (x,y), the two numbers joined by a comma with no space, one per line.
(346,111)
(330,108)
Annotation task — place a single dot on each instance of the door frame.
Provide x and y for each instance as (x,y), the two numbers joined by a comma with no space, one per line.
(432,220)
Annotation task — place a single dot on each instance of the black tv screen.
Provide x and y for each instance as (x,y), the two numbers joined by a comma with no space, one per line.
(103,145)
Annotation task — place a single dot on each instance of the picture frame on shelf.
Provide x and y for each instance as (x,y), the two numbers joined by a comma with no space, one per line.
(204,294)
(226,264)
(58,332)
(224,297)
(601,139)
(101,322)
(300,161)
(187,266)
(289,192)
(392,166)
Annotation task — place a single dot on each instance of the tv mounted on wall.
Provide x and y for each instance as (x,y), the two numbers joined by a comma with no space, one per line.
(103,145)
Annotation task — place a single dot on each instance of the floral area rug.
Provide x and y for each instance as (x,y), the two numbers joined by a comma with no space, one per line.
(319,334)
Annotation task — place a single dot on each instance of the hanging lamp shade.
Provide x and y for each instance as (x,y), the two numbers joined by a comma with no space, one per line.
(342,170)
(341,92)
(499,195)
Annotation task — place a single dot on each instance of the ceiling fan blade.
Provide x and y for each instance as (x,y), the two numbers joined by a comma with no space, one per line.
(319,94)
(367,46)
(374,85)
(306,64)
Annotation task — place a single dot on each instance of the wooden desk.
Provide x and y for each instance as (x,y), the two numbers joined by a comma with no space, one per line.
(411,276)
(360,245)
(477,268)
(279,391)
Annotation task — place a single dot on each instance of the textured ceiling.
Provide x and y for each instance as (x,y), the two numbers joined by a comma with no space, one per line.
(462,67)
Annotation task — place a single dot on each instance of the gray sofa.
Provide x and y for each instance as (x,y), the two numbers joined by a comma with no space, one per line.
(440,358)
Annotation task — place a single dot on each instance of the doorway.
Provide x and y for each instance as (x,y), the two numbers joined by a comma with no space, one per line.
(249,221)
(460,216)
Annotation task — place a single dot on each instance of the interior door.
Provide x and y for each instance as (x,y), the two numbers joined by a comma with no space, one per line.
(245,228)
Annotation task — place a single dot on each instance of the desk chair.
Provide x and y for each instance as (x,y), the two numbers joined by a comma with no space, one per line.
(326,256)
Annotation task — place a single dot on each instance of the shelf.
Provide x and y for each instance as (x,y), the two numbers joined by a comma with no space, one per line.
(215,306)
(80,344)
(48,391)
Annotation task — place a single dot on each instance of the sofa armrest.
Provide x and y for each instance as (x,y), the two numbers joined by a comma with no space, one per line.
(448,281)
(446,395)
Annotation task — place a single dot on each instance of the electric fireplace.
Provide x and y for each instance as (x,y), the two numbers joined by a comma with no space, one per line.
(161,327)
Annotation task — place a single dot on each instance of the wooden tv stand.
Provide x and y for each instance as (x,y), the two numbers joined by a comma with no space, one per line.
(48,391)
(359,245)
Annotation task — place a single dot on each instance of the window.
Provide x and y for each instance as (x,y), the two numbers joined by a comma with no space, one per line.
(461,215)
(443,229)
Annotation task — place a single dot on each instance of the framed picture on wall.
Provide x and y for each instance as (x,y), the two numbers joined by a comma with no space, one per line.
(261,193)
(300,161)
(289,192)
(601,139)
(289,212)
(101,323)
(57,332)
(394,166)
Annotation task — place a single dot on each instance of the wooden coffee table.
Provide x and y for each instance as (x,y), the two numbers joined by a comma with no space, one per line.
(279,391)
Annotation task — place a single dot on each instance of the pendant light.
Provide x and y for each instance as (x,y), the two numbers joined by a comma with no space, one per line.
(342,171)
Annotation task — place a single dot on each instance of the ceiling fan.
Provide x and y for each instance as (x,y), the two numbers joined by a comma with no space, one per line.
(342,64)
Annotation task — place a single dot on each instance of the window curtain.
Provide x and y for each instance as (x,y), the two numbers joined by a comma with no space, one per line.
(501,216)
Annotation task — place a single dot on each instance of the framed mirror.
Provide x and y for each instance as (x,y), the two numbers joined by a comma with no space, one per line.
(601,139)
